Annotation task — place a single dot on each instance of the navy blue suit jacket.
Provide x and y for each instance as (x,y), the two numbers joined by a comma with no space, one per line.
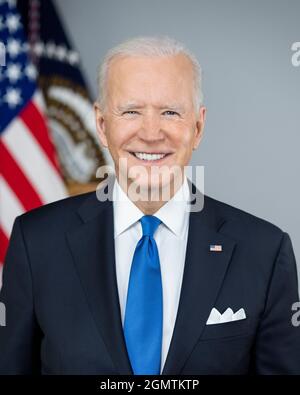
(62,306)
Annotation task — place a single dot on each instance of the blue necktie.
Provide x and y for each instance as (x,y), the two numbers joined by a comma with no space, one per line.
(144,306)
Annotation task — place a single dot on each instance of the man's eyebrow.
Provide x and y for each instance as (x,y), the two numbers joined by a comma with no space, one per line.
(172,107)
(131,106)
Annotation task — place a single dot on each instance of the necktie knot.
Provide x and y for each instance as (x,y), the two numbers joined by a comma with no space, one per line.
(149,224)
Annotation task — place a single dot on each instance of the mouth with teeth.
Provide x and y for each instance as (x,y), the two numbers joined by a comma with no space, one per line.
(150,157)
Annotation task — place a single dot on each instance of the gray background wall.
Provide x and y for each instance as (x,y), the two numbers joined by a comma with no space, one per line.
(252,91)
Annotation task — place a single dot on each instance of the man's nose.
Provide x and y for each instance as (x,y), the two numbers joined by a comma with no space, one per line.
(151,128)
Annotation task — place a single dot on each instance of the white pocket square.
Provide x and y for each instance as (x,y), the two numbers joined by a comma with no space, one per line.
(217,318)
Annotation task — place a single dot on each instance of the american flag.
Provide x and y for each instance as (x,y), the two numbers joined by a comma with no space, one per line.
(29,172)
(215,247)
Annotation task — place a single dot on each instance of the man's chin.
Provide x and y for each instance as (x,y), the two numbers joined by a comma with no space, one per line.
(148,190)
(147,185)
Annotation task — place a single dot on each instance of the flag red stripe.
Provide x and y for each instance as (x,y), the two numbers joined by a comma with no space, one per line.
(36,124)
(3,245)
(17,181)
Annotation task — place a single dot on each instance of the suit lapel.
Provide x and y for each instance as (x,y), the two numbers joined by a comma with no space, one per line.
(203,276)
(92,247)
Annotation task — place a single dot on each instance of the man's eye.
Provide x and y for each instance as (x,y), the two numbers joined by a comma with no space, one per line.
(169,112)
(130,112)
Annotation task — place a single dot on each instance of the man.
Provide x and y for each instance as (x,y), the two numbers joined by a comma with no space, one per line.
(136,285)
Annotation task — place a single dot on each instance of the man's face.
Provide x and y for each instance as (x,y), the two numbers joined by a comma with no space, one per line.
(149,109)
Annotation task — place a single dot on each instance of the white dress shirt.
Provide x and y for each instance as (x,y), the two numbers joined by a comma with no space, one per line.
(171,239)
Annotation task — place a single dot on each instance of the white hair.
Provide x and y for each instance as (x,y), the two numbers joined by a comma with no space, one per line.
(150,46)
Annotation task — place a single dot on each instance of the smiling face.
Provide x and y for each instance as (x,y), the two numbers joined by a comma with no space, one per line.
(149,109)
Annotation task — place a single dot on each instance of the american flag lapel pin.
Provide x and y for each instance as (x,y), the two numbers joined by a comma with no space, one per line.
(215,247)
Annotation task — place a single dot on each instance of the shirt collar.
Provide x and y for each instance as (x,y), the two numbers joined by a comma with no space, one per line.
(126,213)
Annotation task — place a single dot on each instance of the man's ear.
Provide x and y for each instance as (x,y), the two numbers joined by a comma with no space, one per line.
(200,122)
(100,124)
